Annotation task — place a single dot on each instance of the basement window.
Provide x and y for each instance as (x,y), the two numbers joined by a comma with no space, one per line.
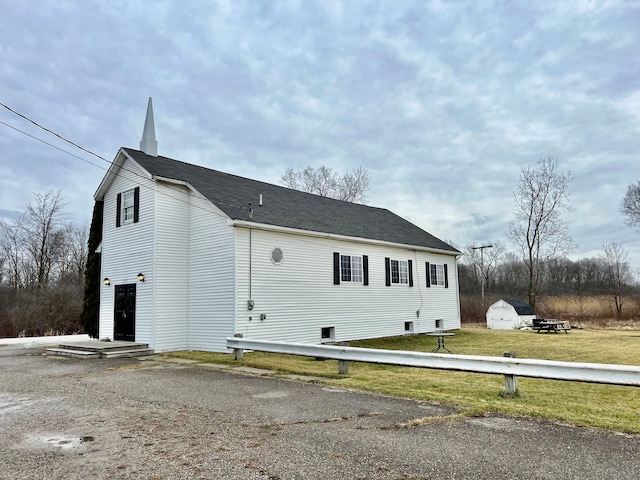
(408,327)
(439,324)
(328,334)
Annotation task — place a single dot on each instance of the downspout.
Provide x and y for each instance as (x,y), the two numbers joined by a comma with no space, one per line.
(415,257)
(250,302)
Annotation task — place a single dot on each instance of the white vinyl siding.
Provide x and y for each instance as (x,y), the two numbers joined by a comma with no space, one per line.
(171,285)
(185,248)
(127,252)
(194,270)
(211,278)
(298,298)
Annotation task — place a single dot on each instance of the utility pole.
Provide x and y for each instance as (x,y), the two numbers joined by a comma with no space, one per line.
(481,248)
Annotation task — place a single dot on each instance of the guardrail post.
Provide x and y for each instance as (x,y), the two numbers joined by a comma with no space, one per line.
(343,367)
(510,381)
(238,353)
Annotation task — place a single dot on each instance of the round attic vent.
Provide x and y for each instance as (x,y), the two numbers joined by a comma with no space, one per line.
(276,256)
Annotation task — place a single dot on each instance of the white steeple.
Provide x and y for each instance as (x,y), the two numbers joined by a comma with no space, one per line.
(149,144)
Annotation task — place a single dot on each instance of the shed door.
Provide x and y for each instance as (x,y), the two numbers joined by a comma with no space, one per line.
(124,316)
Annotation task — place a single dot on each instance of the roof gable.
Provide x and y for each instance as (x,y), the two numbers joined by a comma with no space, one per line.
(290,208)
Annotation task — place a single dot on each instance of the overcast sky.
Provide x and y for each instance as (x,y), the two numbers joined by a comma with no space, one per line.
(442,102)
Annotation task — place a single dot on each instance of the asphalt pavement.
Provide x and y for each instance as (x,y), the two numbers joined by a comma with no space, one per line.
(71,419)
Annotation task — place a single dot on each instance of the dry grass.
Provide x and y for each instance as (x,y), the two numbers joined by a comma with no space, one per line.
(584,312)
(602,406)
(592,312)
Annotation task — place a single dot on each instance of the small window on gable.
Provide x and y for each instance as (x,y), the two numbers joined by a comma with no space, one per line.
(128,206)
(276,256)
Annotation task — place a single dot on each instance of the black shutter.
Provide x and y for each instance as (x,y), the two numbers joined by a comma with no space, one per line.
(446,277)
(118,208)
(410,273)
(336,268)
(428,274)
(387,271)
(136,204)
(365,269)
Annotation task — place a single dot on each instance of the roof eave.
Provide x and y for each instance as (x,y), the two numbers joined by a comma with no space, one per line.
(114,171)
(310,233)
(194,192)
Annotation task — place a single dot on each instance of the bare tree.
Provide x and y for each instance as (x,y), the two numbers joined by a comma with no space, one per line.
(74,257)
(44,236)
(353,186)
(538,229)
(12,252)
(618,272)
(630,205)
(485,260)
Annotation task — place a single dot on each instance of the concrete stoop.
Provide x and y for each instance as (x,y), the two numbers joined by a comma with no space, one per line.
(96,349)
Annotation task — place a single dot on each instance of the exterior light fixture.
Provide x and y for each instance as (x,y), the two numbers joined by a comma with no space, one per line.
(106,281)
(141,277)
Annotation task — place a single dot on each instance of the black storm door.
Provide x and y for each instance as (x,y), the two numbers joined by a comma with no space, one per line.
(124,318)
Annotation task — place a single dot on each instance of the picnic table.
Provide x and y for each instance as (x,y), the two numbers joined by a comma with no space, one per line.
(555,326)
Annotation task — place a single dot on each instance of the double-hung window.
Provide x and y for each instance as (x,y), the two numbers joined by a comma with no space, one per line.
(128,206)
(350,268)
(437,274)
(398,272)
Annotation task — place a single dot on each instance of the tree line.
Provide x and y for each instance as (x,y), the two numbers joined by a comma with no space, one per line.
(505,274)
(46,272)
(43,257)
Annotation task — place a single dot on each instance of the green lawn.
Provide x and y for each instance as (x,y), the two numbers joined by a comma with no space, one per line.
(601,406)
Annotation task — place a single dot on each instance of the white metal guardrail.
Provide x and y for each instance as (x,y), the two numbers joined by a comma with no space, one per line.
(510,367)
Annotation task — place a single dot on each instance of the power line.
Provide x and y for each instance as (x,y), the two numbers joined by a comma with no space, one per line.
(154,189)
(53,133)
(52,145)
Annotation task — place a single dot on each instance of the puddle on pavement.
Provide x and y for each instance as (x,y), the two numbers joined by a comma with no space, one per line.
(61,442)
(11,403)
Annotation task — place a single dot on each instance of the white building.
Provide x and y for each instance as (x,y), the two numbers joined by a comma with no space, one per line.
(190,256)
(509,314)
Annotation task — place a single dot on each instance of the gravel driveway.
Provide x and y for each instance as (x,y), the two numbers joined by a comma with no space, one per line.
(131,419)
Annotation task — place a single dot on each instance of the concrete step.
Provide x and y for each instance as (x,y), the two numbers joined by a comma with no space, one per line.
(134,352)
(103,346)
(66,352)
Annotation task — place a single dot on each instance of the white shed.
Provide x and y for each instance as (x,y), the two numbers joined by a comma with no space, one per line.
(509,314)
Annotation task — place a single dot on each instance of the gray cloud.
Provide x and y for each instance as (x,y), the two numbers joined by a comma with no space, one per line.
(442,102)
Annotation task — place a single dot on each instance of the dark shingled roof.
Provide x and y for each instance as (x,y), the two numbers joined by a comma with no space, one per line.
(290,208)
(522,308)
